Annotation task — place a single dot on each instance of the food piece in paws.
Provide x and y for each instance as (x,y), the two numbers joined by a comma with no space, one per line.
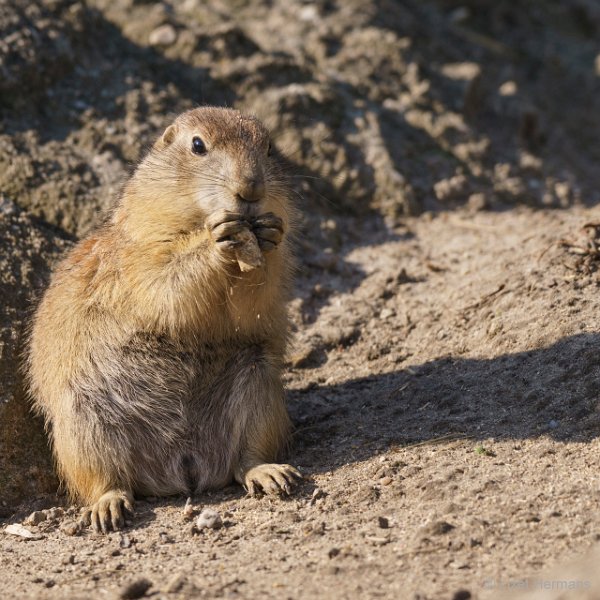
(247,253)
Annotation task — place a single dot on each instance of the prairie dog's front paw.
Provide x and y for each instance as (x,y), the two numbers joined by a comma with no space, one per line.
(108,513)
(271,479)
(223,226)
(268,229)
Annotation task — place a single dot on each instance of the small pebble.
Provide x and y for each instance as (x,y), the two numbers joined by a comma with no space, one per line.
(385,480)
(35,518)
(477,201)
(22,532)
(54,513)
(165,538)
(383,522)
(135,589)
(72,528)
(508,88)
(209,519)
(165,35)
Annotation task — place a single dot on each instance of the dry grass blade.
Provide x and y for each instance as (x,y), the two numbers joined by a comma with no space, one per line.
(485,299)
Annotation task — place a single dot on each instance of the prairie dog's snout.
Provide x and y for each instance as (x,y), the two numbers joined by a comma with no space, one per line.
(248,181)
(250,189)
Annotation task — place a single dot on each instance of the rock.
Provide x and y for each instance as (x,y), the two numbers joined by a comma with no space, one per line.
(508,88)
(72,528)
(165,538)
(35,518)
(165,35)
(209,519)
(477,202)
(465,71)
(22,532)
(54,513)
(135,589)
(383,522)
(386,313)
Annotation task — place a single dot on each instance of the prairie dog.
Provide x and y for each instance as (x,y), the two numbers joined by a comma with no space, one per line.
(156,352)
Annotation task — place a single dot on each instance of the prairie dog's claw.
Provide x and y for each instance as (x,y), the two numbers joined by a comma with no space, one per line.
(108,513)
(269,220)
(271,479)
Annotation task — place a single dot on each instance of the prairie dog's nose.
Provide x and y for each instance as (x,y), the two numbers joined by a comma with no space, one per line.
(251,189)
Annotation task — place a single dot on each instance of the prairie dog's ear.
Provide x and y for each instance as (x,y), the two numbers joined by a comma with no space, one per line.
(167,137)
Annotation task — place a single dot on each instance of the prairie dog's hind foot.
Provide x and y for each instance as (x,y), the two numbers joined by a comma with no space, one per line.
(271,478)
(108,513)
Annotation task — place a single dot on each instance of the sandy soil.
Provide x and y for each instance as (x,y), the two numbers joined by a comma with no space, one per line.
(444,376)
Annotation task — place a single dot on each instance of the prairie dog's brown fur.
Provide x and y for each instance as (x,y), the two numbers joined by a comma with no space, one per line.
(153,357)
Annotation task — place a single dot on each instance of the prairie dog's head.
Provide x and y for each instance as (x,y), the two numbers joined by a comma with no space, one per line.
(207,160)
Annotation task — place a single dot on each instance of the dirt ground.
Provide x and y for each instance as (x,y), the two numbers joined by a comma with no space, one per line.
(444,375)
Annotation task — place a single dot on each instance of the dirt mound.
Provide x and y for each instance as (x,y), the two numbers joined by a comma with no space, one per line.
(400,106)
(37,47)
(28,251)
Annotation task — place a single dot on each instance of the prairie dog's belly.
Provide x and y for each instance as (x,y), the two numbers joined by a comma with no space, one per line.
(187,470)
(171,413)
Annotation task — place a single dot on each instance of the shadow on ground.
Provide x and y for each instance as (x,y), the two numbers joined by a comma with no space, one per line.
(551,392)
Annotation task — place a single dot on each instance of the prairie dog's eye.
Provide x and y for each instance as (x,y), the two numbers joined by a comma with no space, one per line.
(269,149)
(198,146)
